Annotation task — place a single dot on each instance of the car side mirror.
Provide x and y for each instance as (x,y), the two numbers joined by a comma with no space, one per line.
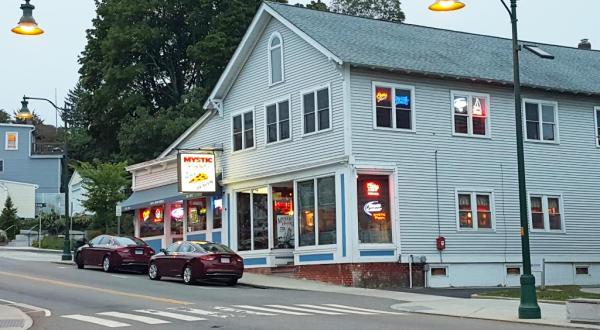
(90,244)
(164,251)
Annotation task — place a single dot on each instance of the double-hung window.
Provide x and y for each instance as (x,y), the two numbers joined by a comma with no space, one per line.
(278,121)
(394,106)
(243,130)
(470,114)
(275,59)
(316,110)
(597,121)
(474,210)
(545,213)
(541,121)
(317,211)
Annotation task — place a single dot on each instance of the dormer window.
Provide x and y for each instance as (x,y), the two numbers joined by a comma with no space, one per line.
(275,59)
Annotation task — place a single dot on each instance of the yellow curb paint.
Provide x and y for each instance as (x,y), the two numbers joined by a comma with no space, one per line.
(109,291)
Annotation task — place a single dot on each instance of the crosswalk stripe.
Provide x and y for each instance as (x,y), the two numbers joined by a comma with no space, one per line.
(365,309)
(270,310)
(305,310)
(198,312)
(170,315)
(133,317)
(348,311)
(234,310)
(96,320)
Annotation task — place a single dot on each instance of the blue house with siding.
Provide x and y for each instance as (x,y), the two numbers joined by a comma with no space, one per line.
(349,147)
(22,160)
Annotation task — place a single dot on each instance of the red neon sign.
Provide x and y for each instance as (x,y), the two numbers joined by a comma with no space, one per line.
(372,189)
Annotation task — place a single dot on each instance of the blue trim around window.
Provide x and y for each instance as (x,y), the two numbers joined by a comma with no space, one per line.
(343,215)
(377,253)
(228,222)
(197,237)
(155,244)
(255,261)
(216,236)
(316,257)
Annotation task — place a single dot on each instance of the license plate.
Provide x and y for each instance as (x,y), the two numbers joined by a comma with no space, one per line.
(225,260)
(139,251)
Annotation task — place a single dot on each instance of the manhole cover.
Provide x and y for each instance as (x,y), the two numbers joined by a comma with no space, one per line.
(16,323)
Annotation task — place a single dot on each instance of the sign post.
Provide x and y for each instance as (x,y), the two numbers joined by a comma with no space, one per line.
(118,212)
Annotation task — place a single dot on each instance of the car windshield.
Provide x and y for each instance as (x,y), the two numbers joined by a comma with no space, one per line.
(128,241)
(213,247)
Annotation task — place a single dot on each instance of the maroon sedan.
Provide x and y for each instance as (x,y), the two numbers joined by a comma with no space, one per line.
(114,252)
(197,260)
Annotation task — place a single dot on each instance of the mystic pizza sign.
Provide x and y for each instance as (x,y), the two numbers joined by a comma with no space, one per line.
(196,173)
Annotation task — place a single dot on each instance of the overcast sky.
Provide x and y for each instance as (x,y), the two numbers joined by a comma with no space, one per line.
(37,66)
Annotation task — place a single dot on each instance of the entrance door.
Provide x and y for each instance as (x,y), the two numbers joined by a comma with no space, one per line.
(176,214)
(283,215)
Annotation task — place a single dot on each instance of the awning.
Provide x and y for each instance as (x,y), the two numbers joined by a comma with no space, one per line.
(154,196)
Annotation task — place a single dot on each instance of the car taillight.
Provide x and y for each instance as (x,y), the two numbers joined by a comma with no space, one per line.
(238,259)
(209,257)
(123,250)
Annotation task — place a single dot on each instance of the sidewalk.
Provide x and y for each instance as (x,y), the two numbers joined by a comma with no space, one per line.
(487,309)
(12,318)
(28,249)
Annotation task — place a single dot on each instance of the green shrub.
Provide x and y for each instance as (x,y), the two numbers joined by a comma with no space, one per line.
(3,238)
(52,243)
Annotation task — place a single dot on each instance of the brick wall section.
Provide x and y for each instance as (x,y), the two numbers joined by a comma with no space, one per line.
(366,275)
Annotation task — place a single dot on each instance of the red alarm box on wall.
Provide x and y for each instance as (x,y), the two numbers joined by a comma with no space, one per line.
(440,243)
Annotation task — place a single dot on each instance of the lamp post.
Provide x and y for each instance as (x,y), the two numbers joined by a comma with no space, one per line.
(529,308)
(25,114)
(27,24)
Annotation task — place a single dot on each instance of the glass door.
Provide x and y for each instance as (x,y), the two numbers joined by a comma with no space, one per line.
(283,215)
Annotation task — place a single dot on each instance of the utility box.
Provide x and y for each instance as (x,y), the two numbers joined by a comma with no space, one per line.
(583,310)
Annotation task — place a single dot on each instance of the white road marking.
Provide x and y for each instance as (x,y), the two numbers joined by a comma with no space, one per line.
(199,312)
(305,310)
(47,312)
(336,309)
(270,310)
(119,276)
(63,267)
(170,315)
(364,309)
(96,320)
(235,310)
(133,317)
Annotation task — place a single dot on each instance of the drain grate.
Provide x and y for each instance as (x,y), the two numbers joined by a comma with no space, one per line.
(11,323)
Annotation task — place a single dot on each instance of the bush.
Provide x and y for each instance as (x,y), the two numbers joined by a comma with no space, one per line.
(52,243)
(3,238)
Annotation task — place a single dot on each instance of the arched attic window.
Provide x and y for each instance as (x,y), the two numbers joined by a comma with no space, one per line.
(275,59)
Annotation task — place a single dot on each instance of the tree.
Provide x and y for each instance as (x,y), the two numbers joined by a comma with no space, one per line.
(4,117)
(150,60)
(105,184)
(316,5)
(8,219)
(387,10)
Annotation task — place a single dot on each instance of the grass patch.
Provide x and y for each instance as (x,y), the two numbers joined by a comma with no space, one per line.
(561,293)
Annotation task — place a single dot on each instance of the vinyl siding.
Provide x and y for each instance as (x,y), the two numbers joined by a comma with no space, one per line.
(569,168)
(305,68)
(156,176)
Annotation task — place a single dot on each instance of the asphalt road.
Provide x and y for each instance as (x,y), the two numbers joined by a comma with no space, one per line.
(90,299)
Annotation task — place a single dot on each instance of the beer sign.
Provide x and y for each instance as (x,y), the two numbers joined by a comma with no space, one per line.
(196,173)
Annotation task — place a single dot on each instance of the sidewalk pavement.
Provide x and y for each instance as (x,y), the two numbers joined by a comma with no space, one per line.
(487,309)
(12,318)
(28,249)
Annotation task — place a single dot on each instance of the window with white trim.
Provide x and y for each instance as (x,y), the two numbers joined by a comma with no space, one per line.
(316,211)
(243,130)
(394,106)
(275,59)
(470,114)
(541,121)
(474,210)
(597,120)
(278,121)
(545,213)
(316,111)
(11,141)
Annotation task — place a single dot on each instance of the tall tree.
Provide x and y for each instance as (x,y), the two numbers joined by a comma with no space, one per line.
(4,117)
(147,63)
(105,184)
(8,219)
(316,5)
(387,10)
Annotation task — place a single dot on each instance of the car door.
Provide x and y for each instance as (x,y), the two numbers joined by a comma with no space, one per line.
(87,253)
(183,254)
(164,261)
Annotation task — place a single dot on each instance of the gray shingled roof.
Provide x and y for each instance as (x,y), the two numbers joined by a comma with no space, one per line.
(379,44)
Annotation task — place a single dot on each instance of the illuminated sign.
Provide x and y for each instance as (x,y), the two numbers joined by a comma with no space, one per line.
(146,214)
(477,107)
(461,104)
(381,96)
(372,207)
(158,214)
(372,189)
(379,216)
(177,213)
(403,100)
(196,173)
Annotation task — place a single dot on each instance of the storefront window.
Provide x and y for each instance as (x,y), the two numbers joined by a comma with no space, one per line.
(283,217)
(374,216)
(177,214)
(252,219)
(196,214)
(317,211)
(217,213)
(151,221)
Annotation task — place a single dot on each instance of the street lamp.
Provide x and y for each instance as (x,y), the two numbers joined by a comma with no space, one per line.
(27,24)
(25,114)
(529,308)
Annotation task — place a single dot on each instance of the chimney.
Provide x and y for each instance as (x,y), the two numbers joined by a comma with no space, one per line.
(585,44)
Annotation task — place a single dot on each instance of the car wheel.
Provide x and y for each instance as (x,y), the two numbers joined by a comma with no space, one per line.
(153,272)
(78,261)
(232,282)
(187,275)
(106,264)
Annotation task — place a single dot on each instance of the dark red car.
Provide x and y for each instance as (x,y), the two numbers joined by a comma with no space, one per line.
(197,260)
(114,252)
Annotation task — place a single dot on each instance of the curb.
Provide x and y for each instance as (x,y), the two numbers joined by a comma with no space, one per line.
(27,321)
(34,250)
(556,302)
(60,262)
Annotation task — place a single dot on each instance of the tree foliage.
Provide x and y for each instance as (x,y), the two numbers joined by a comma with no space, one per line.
(8,219)
(146,71)
(316,5)
(387,10)
(4,117)
(105,184)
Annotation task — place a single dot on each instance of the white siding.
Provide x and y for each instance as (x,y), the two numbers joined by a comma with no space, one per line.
(569,168)
(305,67)
(22,196)
(155,176)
